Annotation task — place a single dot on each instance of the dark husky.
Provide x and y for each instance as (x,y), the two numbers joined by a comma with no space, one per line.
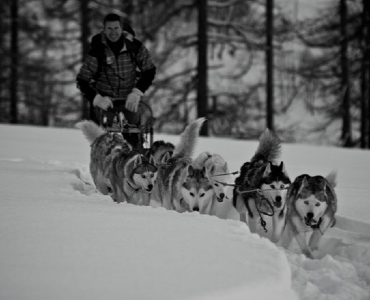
(262,186)
(118,170)
(159,149)
(312,204)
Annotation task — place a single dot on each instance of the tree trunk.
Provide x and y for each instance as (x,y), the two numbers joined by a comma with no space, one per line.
(202,99)
(367,71)
(3,32)
(14,63)
(270,64)
(365,76)
(87,109)
(345,86)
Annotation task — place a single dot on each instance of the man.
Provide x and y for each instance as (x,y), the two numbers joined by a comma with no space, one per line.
(110,70)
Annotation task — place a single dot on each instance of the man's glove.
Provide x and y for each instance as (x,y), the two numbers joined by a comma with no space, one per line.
(133,100)
(102,102)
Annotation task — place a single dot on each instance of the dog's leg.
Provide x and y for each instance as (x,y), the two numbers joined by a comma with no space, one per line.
(145,199)
(253,216)
(301,240)
(167,203)
(253,223)
(278,223)
(315,240)
(243,218)
(240,207)
(287,236)
(318,233)
(100,184)
(300,236)
(118,195)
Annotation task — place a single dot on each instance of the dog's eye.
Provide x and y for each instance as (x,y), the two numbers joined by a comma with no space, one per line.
(272,186)
(318,204)
(282,186)
(202,195)
(306,202)
(151,175)
(216,184)
(192,194)
(142,176)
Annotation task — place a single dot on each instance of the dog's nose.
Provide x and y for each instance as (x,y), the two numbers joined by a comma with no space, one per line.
(196,208)
(150,186)
(222,195)
(278,199)
(310,215)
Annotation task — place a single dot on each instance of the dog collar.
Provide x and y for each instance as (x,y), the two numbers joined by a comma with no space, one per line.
(128,182)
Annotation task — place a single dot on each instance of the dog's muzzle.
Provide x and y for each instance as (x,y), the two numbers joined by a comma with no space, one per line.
(149,188)
(278,202)
(309,220)
(221,198)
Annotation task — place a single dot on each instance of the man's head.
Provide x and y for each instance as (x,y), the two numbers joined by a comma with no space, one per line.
(113,27)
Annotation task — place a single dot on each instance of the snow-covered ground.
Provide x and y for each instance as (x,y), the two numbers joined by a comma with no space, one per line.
(61,239)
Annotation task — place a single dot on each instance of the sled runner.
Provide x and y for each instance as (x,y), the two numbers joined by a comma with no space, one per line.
(140,135)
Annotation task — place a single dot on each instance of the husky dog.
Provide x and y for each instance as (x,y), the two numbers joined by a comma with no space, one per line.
(118,170)
(262,187)
(217,172)
(197,191)
(159,149)
(173,170)
(312,204)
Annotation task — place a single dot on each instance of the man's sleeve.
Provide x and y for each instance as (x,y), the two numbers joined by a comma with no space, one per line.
(85,76)
(147,67)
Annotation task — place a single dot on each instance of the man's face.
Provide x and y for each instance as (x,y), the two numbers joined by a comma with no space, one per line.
(113,30)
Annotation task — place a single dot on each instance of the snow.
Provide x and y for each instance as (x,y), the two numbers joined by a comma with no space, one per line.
(61,239)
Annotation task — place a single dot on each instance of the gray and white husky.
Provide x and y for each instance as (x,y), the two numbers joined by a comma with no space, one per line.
(173,170)
(118,170)
(262,186)
(197,191)
(217,172)
(312,204)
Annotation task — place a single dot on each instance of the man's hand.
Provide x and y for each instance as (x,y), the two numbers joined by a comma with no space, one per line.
(103,102)
(133,100)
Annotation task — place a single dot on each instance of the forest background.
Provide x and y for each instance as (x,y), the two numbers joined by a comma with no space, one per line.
(301,68)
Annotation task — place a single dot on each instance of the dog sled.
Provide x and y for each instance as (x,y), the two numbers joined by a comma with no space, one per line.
(140,135)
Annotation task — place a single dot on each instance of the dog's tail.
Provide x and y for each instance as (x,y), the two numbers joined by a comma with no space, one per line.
(188,139)
(269,147)
(332,178)
(90,130)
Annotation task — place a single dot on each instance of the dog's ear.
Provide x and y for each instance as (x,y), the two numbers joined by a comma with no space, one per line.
(165,158)
(324,188)
(212,170)
(138,161)
(304,184)
(282,168)
(190,171)
(267,170)
(204,172)
(152,160)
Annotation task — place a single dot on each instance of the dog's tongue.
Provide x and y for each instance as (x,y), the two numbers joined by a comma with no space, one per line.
(277,204)
(310,222)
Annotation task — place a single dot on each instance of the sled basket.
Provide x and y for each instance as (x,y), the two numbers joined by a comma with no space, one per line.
(114,120)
